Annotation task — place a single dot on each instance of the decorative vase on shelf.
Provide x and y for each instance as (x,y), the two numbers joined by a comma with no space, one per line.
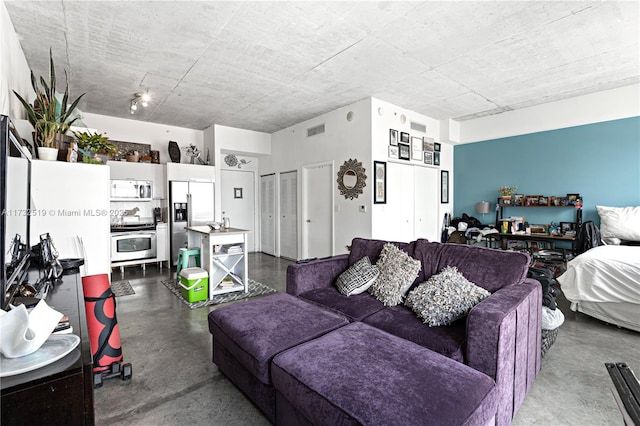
(49,154)
(174,151)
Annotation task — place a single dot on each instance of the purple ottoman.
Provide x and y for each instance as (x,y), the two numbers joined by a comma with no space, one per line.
(247,335)
(361,375)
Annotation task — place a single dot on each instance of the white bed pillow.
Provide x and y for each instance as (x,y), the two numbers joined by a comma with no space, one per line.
(619,223)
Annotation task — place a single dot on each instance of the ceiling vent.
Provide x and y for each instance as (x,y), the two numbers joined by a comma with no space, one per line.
(315,130)
(418,127)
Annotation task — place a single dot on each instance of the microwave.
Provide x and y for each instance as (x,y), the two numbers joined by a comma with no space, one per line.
(131,190)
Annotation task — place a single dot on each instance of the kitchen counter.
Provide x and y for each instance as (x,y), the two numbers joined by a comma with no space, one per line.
(205,229)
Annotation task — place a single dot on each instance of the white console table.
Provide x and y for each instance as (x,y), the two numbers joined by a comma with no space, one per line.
(223,255)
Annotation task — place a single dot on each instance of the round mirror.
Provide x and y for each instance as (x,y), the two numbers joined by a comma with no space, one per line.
(351,179)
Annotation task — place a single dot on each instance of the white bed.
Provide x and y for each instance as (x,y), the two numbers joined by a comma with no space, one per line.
(604,282)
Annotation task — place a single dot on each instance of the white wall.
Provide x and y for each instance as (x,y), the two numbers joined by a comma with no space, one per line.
(15,73)
(607,105)
(342,140)
(157,135)
(387,116)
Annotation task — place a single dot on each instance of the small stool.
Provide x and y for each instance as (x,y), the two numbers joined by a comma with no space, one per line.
(184,256)
(246,337)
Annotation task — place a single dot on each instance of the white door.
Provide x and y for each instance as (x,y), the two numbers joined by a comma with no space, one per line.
(238,201)
(268,214)
(289,215)
(317,210)
(426,203)
(400,202)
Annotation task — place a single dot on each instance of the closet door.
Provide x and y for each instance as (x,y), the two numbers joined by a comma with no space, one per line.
(426,203)
(289,215)
(268,214)
(400,203)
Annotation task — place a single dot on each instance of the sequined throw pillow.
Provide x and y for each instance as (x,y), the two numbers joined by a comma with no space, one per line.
(445,297)
(358,278)
(398,270)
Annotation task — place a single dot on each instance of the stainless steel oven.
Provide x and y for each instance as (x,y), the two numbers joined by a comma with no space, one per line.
(133,245)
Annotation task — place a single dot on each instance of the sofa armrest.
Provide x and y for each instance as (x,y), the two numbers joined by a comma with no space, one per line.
(504,339)
(322,273)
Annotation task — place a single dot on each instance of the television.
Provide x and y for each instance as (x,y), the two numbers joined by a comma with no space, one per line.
(15,209)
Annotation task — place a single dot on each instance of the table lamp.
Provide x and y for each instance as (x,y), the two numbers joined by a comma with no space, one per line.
(483,207)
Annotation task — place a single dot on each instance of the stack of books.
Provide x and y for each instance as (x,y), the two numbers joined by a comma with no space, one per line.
(226,282)
(237,249)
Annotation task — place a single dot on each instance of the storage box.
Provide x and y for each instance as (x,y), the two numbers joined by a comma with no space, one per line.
(194,283)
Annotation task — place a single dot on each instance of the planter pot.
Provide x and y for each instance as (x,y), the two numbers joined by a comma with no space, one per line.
(63,143)
(49,154)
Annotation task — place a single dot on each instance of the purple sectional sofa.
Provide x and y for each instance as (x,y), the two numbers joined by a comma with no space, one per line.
(500,337)
(315,356)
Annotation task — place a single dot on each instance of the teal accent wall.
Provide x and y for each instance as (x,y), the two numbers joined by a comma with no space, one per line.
(599,161)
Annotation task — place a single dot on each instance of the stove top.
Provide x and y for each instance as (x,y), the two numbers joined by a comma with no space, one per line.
(126,227)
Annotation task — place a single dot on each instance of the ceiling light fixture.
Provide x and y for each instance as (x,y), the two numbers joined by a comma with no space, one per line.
(142,98)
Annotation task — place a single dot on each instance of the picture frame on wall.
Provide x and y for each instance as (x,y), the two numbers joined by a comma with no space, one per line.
(393,137)
(404,137)
(436,147)
(428,158)
(404,151)
(436,158)
(416,148)
(428,144)
(444,186)
(380,182)
(393,151)
(237,192)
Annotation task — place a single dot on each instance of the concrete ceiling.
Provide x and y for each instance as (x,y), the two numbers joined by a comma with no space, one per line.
(268,65)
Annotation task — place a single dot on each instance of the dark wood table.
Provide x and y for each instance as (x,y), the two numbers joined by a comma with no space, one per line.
(60,393)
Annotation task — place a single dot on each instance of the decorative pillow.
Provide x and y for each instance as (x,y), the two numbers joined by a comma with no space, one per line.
(445,297)
(358,278)
(398,270)
(619,223)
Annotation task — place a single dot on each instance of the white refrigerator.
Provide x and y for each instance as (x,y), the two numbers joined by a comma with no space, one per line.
(191,203)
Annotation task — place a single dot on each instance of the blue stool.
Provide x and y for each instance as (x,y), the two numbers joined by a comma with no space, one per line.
(184,257)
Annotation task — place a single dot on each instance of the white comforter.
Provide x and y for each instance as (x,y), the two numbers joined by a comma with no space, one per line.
(603,274)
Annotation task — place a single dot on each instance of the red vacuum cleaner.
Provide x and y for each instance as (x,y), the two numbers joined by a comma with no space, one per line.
(104,334)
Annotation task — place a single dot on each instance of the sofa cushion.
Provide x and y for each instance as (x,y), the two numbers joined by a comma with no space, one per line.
(490,269)
(358,278)
(398,271)
(256,330)
(400,321)
(362,375)
(445,297)
(361,247)
(355,307)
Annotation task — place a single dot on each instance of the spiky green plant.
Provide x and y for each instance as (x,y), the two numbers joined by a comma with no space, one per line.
(44,115)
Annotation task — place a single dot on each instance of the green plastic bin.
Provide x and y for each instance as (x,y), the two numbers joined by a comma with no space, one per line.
(194,283)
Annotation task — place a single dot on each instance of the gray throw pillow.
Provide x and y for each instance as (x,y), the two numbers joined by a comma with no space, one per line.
(398,271)
(445,297)
(358,278)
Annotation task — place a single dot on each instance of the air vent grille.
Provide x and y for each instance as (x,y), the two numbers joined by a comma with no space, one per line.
(418,127)
(316,130)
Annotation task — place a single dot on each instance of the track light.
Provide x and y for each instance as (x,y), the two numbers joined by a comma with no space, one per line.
(142,98)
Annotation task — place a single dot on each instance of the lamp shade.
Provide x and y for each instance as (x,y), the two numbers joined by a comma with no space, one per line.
(483,207)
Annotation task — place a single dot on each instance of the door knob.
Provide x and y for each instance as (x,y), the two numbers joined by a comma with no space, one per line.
(308,220)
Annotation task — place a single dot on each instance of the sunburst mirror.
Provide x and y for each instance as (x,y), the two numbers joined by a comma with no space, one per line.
(351,179)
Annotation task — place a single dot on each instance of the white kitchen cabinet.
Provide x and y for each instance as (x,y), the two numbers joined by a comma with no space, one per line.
(188,172)
(71,200)
(159,179)
(162,242)
(128,170)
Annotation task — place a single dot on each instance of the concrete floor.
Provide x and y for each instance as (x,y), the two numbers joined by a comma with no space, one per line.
(175,383)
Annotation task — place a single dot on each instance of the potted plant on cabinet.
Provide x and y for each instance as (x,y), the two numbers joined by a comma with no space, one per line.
(506,192)
(95,148)
(50,118)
